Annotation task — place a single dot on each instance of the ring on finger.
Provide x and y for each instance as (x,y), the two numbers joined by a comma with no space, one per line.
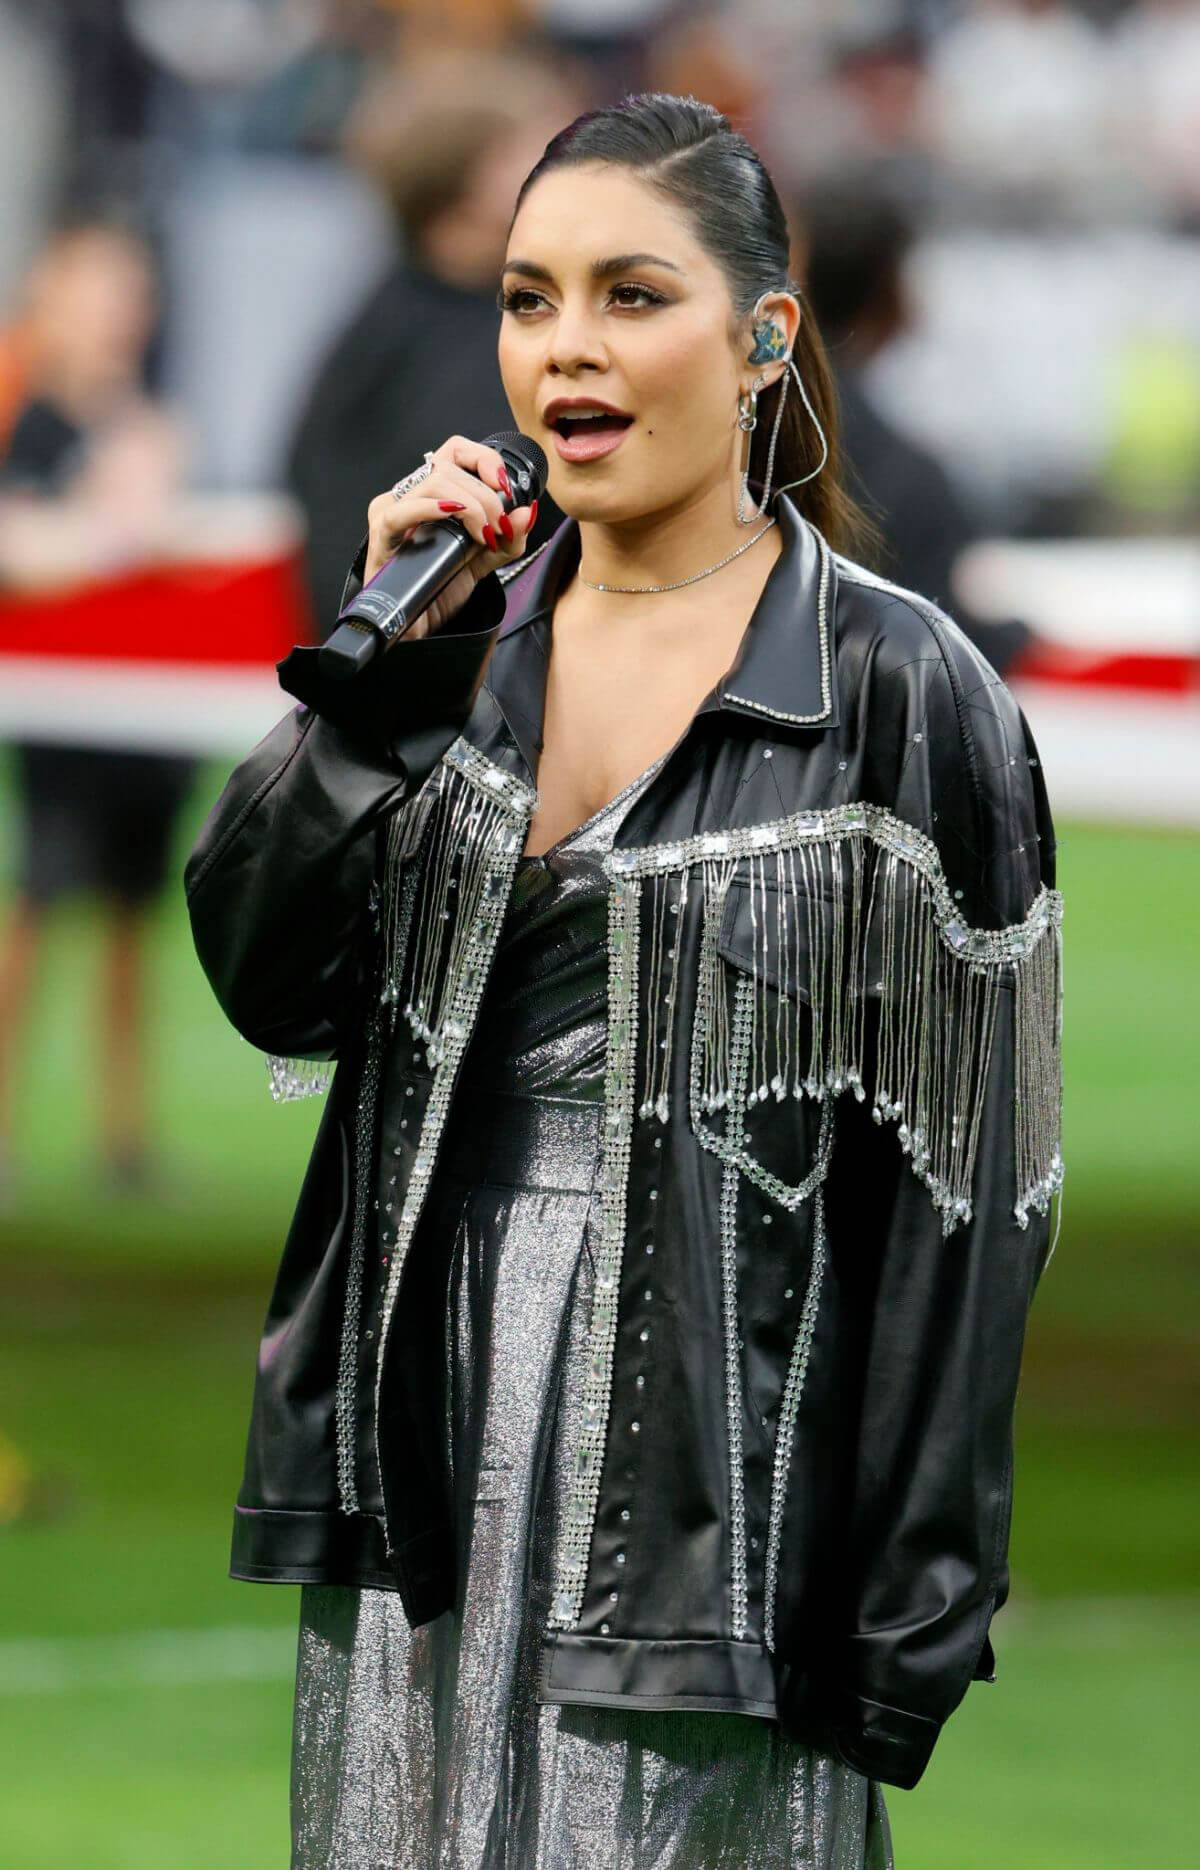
(401,487)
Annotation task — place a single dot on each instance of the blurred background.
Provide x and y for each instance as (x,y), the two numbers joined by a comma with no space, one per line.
(248,258)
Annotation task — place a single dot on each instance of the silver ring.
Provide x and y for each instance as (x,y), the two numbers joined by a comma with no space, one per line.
(401,487)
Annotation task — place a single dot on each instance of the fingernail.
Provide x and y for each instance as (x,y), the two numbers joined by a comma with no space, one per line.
(452,506)
(506,526)
(489,539)
(532,516)
(505,482)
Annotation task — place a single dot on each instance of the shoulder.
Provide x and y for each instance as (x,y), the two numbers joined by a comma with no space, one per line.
(902,624)
(904,646)
(949,747)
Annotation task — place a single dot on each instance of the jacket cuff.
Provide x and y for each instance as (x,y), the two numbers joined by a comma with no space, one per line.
(432,678)
(881,1742)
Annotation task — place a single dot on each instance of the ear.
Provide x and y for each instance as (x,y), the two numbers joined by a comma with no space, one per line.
(781,309)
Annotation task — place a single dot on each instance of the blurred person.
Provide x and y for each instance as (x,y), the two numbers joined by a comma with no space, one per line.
(34,127)
(1019,106)
(614,40)
(85,486)
(1155,54)
(854,235)
(447,138)
(879,81)
(680,956)
(708,57)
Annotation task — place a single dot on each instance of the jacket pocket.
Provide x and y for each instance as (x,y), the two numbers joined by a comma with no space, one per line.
(755,1100)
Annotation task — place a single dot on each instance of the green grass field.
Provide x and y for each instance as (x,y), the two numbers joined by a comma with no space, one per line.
(145,1698)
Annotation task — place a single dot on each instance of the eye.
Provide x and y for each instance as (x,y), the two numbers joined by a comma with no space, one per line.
(514,299)
(646,292)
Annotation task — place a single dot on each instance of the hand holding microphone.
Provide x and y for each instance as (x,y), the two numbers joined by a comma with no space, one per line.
(430,543)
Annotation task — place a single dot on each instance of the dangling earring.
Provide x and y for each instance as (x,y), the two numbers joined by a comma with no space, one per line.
(747,415)
(770,344)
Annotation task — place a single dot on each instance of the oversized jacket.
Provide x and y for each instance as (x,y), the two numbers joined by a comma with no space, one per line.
(830,1143)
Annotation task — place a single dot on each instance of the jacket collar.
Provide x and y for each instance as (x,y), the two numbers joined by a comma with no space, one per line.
(783,674)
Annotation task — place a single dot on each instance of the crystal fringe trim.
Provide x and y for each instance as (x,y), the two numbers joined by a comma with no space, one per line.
(292,1078)
(854,903)
(474,816)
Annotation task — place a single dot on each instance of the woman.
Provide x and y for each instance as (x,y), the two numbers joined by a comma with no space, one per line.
(634,1409)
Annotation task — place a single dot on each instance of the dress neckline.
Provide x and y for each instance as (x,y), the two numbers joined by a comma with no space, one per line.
(568,837)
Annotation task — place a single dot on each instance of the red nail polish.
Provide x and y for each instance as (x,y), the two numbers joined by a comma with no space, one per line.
(532,516)
(489,539)
(506,526)
(452,506)
(505,482)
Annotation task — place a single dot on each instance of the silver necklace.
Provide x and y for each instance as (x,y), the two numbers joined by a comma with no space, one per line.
(641,590)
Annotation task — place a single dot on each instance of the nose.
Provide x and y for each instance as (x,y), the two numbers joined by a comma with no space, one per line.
(574,340)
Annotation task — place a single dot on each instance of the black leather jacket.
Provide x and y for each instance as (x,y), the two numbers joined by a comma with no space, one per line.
(832,1113)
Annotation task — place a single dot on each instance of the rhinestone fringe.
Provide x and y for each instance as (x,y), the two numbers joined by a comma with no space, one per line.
(478,815)
(292,1078)
(854,904)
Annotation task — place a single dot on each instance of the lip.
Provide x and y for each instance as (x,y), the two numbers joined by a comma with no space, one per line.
(585,447)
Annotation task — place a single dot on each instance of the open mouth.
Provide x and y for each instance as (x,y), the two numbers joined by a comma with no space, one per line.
(604,422)
(584,438)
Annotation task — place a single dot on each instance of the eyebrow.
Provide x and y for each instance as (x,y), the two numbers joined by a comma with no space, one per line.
(617,263)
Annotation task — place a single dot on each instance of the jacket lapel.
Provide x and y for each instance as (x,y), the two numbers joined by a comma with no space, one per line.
(783,674)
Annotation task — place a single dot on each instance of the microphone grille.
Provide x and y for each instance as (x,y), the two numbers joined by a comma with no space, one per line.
(523,445)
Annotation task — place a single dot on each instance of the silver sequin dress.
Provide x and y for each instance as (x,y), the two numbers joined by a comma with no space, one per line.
(427,1749)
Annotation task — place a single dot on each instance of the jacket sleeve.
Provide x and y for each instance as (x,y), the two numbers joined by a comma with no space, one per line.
(279,879)
(941,1316)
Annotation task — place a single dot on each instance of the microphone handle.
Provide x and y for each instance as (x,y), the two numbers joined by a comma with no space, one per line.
(413,577)
(401,589)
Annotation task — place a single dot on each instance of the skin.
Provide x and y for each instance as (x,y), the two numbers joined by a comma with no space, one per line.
(626,673)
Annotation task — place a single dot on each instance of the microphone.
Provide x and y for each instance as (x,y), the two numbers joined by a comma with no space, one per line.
(424,565)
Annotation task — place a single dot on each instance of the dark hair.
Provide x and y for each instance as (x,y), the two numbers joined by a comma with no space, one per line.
(693,156)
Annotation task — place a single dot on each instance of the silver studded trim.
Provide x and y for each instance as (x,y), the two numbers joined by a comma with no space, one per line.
(346,1387)
(739,1071)
(465,758)
(883,828)
(506,573)
(781,714)
(623,923)
(792,1391)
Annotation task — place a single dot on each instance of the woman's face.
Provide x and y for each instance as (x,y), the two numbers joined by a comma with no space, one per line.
(651,338)
(92,306)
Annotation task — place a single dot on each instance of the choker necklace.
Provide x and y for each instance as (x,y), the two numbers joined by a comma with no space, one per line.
(639,590)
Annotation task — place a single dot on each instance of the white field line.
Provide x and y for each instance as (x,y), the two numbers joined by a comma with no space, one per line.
(256,1653)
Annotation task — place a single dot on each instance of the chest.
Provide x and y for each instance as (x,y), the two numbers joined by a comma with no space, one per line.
(615,702)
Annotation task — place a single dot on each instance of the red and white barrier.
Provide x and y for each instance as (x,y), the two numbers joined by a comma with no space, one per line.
(181,658)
